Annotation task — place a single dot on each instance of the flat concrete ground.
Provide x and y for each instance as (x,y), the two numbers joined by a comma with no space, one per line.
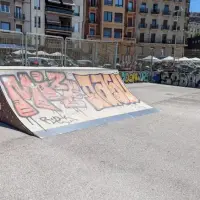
(153,157)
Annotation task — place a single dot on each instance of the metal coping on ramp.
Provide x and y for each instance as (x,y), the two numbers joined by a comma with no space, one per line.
(46,102)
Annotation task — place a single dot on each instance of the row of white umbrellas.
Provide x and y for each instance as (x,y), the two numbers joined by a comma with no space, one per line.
(40,53)
(169,58)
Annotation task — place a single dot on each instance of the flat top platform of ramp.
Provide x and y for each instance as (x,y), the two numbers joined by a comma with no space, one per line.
(52,101)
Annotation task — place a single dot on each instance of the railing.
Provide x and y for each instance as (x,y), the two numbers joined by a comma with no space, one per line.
(130,10)
(143,10)
(19,16)
(131,25)
(59,28)
(174,28)
(154,26)
(155,11)
(165,27)
(130,38)
(94,37)
(142,26)
(160,41)
(166,12)
(59,10)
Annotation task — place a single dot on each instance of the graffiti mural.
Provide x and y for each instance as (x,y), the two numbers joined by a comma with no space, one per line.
(48,99)
(134,77)
(180,79)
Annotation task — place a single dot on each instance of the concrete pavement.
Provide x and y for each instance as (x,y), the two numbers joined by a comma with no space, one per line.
(151,157)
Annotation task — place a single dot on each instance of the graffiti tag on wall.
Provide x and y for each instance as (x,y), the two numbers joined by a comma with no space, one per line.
(133,77)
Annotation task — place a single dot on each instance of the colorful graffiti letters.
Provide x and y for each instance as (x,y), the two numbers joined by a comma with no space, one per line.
(30,92)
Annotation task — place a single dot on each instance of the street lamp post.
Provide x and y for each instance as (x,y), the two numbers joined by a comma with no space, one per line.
(177,19)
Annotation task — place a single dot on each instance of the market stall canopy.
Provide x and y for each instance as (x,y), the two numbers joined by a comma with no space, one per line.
(169,58)
(151,58)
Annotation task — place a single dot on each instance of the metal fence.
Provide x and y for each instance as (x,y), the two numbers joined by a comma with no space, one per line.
(11,48)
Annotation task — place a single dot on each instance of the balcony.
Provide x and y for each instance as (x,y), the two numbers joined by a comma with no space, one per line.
(155,11)
(165,27)
(177,14)
(178,1)
(143,10)
(59,28)
(142,25)
(93,4)
(108,3)
(159,41)
(59,10)
(131,39)
(93,37)
(154,26)
(174,28)
(130,10)
(166,12)
(131,25)
(19,16)
(92,21)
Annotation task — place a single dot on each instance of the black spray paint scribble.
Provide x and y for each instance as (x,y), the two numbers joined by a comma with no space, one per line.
(58,120)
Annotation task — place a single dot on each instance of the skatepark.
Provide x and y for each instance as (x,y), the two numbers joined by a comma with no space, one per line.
(145,155)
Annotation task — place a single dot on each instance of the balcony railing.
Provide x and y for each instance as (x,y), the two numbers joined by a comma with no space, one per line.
(93,37)
(92,21)
(142,25)
(130,39)
(165,27)
(174,28)
(155,11)
(159,41)
(60,28)
(130,25)
(130,10)
(59,10)
(19,16)
(143,10)
(166,12)
(178,1)
(76,14)
(177,13)
(154,26)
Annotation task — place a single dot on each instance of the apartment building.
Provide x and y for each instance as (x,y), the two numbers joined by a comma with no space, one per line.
(58,17)
(161,27)
(110,20)
(15,15)
(78,19)
(194,25)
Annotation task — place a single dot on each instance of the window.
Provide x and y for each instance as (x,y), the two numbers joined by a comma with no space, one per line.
(5,26)
(4,7)
(119,17)
(76,28)
(93,3)
(153,38)
(130,22)
(77,10)
(164,38)
(108,2)
(18,28)
(119,3)
(143,6)
(155,6)
(129,34)
(37,4)
(141,37)
(18,12)
(154,22)
(39,22)
(107,32)
(166,8)
(130,6)
(92,17)
(108,16)
(92,31)
(117,33)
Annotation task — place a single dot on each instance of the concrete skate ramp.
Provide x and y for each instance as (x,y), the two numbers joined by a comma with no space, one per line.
(44,102)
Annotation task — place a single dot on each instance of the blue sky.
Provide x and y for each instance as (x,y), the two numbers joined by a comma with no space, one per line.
(195,5)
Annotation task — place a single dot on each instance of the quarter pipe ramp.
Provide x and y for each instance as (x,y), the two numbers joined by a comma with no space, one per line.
(45,102)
